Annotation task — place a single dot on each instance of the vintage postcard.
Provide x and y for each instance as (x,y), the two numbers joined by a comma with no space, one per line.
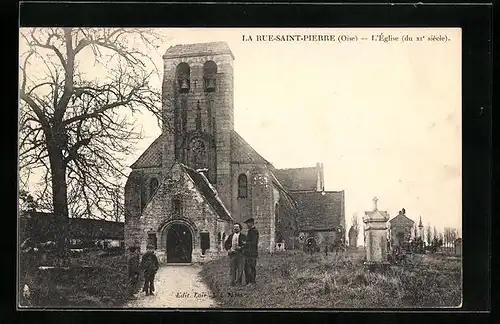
(240,168)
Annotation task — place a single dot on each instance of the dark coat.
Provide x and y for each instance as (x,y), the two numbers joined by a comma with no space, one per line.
(149,263)
(229,241)
(251,247)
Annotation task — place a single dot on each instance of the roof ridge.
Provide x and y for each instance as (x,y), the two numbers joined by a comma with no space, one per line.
(402,215)
(210,187)
(299,168)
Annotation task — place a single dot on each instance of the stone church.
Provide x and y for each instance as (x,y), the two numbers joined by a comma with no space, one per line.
(200,176)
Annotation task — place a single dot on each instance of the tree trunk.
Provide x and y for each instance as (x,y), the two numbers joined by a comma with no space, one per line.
(60,199)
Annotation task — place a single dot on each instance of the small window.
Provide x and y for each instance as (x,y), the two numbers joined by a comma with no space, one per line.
(152,239)
(176,207)
(242,186)
(204,242)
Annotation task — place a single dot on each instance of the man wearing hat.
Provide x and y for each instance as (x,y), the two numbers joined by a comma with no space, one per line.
(251,251)
(149,264)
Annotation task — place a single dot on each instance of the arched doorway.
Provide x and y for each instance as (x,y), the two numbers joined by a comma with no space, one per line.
(179,244)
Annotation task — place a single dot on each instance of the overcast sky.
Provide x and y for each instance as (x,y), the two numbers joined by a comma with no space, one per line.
(384,118)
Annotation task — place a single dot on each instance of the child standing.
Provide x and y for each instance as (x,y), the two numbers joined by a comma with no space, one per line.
(149,264)
(133,269)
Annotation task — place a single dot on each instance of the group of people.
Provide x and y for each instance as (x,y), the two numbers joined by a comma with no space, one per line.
(243,252)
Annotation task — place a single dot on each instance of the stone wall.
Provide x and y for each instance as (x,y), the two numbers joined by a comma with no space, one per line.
(157,217)
(263,209)
(217,116)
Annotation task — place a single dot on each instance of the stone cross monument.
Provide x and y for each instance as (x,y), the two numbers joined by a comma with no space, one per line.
(376,234)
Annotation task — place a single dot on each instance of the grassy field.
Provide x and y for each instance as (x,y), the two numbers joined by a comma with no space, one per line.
(95,281)
(296,280)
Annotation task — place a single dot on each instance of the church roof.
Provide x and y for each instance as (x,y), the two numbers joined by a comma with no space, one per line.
(242,152)
(151,157)
(198,49)
(208,192)
(298,179)
(319,211)
(401,219)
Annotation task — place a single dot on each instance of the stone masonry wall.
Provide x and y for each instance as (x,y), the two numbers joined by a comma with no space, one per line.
(221,106)
(241,207)
(263,209)
(197,214)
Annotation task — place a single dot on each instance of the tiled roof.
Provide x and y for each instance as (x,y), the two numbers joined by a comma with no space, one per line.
(208,192)
(298,179)
(44,227)
(242,152)
(319,211)
(401,219)
(151,157)
(198,49)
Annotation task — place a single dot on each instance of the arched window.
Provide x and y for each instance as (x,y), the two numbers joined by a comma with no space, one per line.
(182,74)
(176,207)
(242,186)
(153,185)
(209,74)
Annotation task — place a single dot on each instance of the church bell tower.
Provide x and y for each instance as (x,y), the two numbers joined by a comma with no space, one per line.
(198,110)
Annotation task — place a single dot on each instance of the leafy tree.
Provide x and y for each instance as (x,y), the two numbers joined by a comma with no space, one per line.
(79,88)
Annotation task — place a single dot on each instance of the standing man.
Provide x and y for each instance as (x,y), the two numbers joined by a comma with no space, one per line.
(234,245)
(149,264)
(251,251)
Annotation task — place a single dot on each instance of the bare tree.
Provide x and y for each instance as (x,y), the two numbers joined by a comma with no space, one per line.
(428,230)
(355,223)
(26,201)
(72,126)
(450,235)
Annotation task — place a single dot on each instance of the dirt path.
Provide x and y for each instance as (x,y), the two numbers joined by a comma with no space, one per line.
(177,287)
